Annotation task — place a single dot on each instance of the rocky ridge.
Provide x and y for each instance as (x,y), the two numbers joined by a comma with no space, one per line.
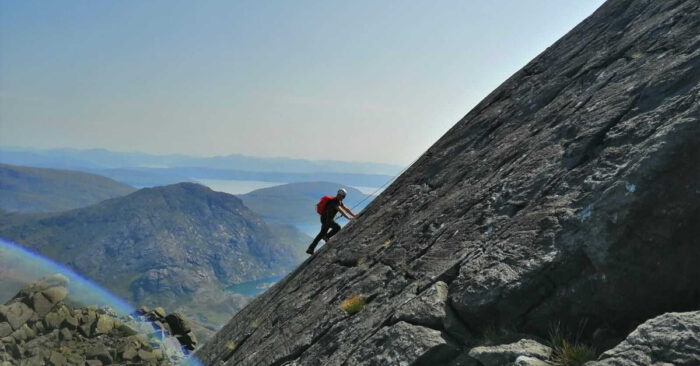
(38,328)
(569,195)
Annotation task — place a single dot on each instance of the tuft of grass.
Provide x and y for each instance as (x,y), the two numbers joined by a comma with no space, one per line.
(566,352)
(230,345)
(362,264)
(491,334)
(572,354)
(353,304)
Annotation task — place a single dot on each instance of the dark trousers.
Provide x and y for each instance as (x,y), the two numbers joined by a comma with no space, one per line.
(326,223)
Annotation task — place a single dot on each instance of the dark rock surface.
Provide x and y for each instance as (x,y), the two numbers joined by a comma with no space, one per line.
(672,338)
(571,192)
(68,335)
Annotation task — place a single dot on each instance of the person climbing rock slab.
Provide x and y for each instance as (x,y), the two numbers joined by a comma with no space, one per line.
(327,208)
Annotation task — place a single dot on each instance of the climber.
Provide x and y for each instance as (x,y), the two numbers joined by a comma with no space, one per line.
(328,207)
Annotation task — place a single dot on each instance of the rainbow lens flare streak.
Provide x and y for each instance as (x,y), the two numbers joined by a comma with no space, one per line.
(22,265)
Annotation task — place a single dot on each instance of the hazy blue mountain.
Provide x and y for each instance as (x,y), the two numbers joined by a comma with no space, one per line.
(105,159)
(146,170)
(177,246)
(25,189)
(295,203)
(148,177)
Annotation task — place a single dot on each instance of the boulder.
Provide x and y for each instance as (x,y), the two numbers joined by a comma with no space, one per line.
(88,317)
(147,356)
(38,346)
(86,330)
(188,340)
(508,353)
(159,313)
(58,281)
(129,352)
(34,361)
(65,311)
(65,334)
(24,333)
(178,323)
(5,329)
(71,322)
(15,350)
(55,294)
(39,327)
(404,343)
(671,338)
(530,361)
(99,352)
(104,324)
(57,359)
(53,320)
(17,313)
(40,304)
(142,311)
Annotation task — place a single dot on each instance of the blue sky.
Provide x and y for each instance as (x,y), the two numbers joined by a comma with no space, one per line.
(351,80)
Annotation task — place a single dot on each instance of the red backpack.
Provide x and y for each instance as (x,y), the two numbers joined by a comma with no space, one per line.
(321,205)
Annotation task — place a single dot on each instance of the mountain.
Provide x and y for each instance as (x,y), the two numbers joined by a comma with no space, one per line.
(105,159)
(147,170)
(566,200)
(25,189)
(295,203)
(147,177)
(176,246)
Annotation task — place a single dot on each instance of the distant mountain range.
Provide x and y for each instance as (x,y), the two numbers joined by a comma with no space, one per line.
(99,159)
(149,177)
(25,189)
(177,246)
(147,170)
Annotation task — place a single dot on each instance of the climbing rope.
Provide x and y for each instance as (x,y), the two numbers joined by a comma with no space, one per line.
(388,181)
(378,189)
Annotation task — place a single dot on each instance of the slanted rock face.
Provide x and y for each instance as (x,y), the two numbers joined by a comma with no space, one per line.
(672,338)
(571,192)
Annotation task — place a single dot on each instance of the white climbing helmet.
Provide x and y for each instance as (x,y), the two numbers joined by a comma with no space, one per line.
(342,192)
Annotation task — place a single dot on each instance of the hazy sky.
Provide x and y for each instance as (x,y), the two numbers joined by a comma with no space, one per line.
(348,80)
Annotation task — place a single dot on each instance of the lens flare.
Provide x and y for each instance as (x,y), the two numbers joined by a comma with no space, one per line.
(20,266)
